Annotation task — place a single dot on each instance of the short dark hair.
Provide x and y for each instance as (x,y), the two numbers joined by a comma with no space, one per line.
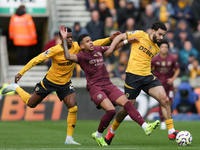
(164,42)
(158,25)
(81,37)
(56,33)
(68,30)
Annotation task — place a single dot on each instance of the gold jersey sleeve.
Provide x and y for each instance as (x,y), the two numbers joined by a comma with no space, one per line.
(101,42)
(141,53)
(61,69)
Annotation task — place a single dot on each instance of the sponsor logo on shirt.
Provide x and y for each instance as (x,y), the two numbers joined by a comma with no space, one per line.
(65,64)
(99,53)
(94,61)
(147,51)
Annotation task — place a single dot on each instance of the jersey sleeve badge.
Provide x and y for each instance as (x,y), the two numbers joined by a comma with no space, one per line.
(132,32)
(46,52)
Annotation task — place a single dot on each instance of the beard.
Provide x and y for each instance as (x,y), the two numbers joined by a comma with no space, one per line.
(155,40)
(69,46)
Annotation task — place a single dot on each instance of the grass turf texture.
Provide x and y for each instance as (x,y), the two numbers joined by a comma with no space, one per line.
(49,135)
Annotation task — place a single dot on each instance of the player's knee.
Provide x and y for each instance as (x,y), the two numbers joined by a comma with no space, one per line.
(31,105)
(111,112)
(165,101)
(73,109)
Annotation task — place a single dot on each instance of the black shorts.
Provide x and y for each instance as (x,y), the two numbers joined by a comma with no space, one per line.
(135,83)
(45,87)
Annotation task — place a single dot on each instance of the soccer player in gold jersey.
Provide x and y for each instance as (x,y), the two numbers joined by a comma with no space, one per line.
(58,79)
(139,76)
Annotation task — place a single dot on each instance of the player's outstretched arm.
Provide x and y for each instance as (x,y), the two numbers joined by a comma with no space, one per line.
(117,40)
(106,41)
(114,35)
(131,40)
(67,56)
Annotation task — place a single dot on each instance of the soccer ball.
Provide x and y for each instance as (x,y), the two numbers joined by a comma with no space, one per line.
(184,138)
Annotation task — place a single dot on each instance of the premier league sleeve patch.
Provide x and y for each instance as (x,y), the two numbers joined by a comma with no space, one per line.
(132,32)
(46,52)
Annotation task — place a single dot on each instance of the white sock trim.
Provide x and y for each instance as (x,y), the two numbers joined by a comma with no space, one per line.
(15,85)
(112,131)
(170,131)
(144,125)
(98,134)
(69,138)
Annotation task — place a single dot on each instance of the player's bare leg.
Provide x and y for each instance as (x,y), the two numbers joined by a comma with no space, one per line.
(159,94)
(71,103)
(31,101)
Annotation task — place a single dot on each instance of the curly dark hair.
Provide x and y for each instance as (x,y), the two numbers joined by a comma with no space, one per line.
(158,25)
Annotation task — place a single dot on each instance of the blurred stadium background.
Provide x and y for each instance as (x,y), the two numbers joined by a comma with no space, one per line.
(48,15)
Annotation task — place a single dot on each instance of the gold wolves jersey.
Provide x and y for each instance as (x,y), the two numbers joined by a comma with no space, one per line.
(141,53)
(61,69)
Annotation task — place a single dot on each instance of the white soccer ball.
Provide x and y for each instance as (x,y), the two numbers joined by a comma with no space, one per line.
(184,138)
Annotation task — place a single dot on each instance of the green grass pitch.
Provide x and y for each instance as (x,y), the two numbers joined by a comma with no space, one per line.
(50,135)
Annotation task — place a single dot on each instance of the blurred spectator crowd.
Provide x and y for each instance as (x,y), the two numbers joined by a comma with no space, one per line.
(181,17)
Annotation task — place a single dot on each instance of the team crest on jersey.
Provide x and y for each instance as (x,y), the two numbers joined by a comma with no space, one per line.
(46,52)
(99,96)
(169,63)
(163,63)
(150,47)
(99,53)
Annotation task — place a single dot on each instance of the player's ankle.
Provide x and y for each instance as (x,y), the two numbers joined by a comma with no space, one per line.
(112,131)
(170,131)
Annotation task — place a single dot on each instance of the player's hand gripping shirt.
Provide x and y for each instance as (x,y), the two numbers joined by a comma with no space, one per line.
(61,69)
(141,53)
(94,67)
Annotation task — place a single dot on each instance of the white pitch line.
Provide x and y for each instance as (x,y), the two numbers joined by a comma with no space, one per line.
(74,148)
